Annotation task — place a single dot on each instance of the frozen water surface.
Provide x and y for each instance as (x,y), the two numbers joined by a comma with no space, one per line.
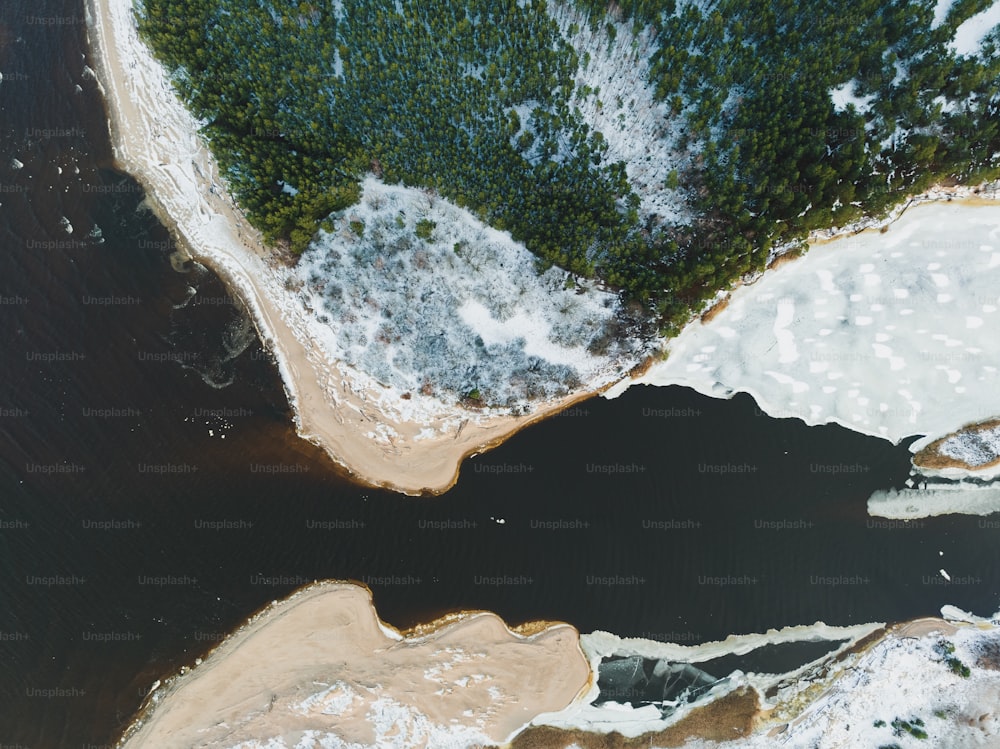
(890,334)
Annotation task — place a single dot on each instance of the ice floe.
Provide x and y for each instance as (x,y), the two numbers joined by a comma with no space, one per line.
(859,332)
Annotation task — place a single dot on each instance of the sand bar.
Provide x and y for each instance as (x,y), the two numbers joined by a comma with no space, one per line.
(322,661)
(155,139)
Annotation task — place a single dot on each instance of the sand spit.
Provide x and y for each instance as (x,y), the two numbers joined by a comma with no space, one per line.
(319,669)
(413,446)
(322,665)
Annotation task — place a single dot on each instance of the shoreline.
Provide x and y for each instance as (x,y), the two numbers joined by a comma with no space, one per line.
(330,630)
(341,410)
(984,194)
(322,663)
(347,414)
(831,322)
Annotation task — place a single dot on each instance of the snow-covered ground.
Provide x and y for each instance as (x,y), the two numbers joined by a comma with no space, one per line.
(854,697)
(463,310)
(902,679)
(395,725)
(941,9)
(613,96)
(889,334)
(844,95)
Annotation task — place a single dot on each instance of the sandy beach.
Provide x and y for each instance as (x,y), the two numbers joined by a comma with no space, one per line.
(322,664)
(320,667)
(349,415)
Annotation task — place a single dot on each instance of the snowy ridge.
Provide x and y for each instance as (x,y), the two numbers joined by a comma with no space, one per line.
(603,644)
(936,499)
(614,97)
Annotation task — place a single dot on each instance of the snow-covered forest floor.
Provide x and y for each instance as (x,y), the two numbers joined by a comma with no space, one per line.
(614,96)
(462,310)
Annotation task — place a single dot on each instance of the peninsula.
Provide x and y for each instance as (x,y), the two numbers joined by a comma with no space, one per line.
(383,435)
(320,669)
(421,312)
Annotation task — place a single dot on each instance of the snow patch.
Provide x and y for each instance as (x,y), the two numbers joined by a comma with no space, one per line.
(844,95)
(941,9)
(970,34)
(614,97)
(334,700)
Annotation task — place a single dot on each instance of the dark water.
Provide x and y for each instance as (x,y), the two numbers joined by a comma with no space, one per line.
(666,683)
(131,539)
(771,659)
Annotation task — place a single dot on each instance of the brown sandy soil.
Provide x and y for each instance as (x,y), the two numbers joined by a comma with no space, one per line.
(931,456)
(924,627)
(156,141)
(642,367)
(724,719)
(710,314)
(785,258)
(470,672)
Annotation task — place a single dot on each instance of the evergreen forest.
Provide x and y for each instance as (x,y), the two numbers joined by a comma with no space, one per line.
(475,101)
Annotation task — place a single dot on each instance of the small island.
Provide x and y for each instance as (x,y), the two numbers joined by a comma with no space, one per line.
(973,450)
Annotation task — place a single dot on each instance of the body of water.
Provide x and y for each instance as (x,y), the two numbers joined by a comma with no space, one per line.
(153,493)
